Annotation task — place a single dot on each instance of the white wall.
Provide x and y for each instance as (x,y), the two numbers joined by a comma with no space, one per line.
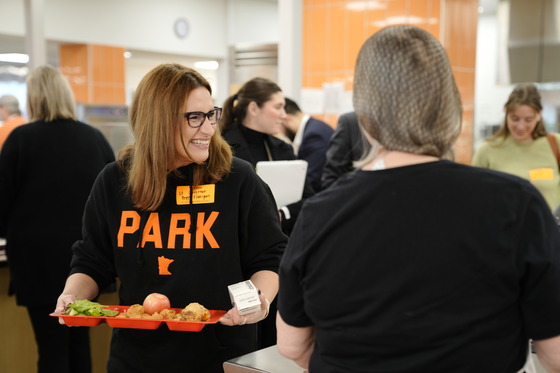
(253,21)
(136,24)
(142,62)
(148,25)
(489,97)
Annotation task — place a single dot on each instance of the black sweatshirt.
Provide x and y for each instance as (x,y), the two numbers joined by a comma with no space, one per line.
(237,234)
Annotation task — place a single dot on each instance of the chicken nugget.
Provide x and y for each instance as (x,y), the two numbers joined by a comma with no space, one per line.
(136,311)
(155,316)
(195,312)
(168,314)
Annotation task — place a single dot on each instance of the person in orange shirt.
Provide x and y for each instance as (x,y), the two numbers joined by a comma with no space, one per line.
(10,115)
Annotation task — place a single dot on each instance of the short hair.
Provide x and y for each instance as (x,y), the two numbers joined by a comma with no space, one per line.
(523,94)
(291,106)
(155,116)
(49,96)
(11,103)
(405,95)
(258,90)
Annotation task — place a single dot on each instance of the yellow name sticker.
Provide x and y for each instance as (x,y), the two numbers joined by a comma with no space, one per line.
(201,194)
(541,174)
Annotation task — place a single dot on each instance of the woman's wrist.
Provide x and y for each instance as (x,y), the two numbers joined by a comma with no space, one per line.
(267,310)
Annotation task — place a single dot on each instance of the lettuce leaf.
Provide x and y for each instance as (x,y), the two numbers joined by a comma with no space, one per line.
(86,307)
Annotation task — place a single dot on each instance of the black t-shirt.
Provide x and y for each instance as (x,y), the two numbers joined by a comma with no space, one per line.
(437,267)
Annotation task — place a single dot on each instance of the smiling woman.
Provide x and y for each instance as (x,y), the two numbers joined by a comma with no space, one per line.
(181,217)
(522,146)
(193,139)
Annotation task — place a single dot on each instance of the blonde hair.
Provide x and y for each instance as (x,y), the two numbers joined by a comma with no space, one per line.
(155,115)
(405,96)
(523,94)
(49,96)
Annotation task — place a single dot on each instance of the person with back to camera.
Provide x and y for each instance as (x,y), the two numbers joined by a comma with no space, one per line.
(522,146)
(10,116)
(346,146)
(47,169)
(453,268)
(310,139)
(140,226)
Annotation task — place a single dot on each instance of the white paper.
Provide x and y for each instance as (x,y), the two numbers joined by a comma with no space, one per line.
(285,178)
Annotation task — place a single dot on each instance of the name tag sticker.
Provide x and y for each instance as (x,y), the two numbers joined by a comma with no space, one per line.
(201,194)
(541,174)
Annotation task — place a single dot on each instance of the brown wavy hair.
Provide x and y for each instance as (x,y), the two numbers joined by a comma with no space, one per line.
(523,94)
(154,119)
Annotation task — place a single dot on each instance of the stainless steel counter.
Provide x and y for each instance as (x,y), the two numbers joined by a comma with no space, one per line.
(267,360)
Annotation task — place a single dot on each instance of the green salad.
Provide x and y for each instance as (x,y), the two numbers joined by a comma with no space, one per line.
(87,308)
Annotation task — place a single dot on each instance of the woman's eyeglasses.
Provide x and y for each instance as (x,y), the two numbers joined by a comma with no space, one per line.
(195,119)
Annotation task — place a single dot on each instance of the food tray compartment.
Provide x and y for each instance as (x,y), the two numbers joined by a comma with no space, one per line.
(194,326)
(84,320)
(80,320)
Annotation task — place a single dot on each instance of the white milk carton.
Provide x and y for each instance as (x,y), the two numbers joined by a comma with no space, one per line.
(246,297)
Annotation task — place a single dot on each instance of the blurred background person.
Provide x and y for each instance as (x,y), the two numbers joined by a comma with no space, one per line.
(522,145)
(47,168)
(10,116)
(187,203)
(346,146)
(310,139)
(251,120)
(453,268)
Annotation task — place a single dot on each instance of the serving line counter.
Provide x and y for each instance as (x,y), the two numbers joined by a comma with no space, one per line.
(267,360)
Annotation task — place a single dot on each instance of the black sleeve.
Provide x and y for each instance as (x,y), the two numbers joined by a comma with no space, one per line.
(9,170)
(290,296)
(288,224)
(262,241)
(313,151)
(343,149)
(93,255)
(539,240)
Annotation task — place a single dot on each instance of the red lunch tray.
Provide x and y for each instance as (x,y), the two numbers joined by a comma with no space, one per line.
(124,322)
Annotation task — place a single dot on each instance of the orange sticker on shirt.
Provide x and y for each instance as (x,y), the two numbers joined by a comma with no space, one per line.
(541,174)
(201,194)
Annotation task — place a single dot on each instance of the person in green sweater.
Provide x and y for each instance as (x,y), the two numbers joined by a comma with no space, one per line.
(520,147)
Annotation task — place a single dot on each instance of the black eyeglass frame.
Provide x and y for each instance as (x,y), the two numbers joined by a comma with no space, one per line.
(217,111)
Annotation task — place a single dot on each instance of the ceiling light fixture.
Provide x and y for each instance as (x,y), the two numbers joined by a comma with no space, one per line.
(360,6)
(207,65)
(14,57)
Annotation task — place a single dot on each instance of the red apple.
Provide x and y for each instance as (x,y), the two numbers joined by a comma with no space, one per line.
(156,302)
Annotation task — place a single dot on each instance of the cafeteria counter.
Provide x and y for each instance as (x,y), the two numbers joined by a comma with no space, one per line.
(267,360)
